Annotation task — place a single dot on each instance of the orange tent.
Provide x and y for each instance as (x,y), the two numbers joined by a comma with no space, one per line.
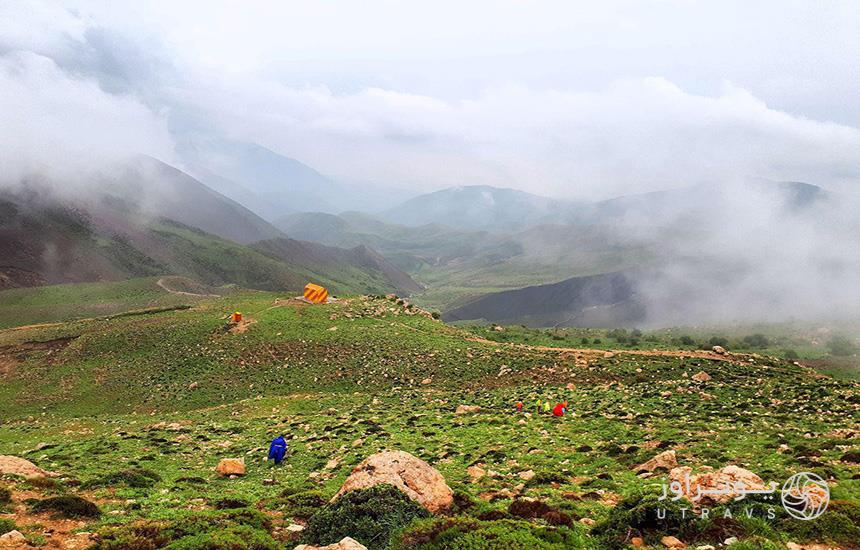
(315,293)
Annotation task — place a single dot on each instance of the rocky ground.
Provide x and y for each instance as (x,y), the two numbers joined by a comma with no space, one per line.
(134,415)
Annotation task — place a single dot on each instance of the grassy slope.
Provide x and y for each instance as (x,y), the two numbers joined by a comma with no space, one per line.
(25,306)
(103,399)
(789,341)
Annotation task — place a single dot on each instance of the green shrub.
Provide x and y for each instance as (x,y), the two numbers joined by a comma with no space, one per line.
(240,529)
(461,533)
(840,523)
(67,506)
(369,516)
(718,341)
(790,354)
(637,515)
(303,504)
(6,525)
(546,477)
(757,341)
(133,477)
(240,537)
(841,346)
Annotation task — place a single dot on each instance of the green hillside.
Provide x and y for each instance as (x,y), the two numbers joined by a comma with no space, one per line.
(45,304)
(134,412)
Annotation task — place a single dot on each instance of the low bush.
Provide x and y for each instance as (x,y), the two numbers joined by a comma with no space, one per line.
(240,529)
(303,504)
(66,506)
(133,477)
(461,533)
(7,525)
(369,516)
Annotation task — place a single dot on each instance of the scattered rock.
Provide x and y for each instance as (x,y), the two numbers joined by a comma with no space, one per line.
(476,472)
(497,328)
(672,542)
(417,479)
(231,467)
(587,521)
(466,409)
(701,376)
(637,542)
(346,543)
(13,465)
(663,461)
(426,381)
(608,355)
(193,386)
(295,528)
(729,541)
(13,538)
(526,475)
(705,547)
(719,349)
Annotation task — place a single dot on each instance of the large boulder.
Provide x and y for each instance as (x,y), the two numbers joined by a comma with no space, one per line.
(14,538)
(346,543)
(729,479)
(663,461)
(13,465)
(231,467)
(414,477)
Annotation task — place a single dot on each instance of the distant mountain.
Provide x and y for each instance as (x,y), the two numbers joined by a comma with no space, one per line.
(156,189)
(698,203)
(273,185)
(607,300)
(478,207)
(121,231)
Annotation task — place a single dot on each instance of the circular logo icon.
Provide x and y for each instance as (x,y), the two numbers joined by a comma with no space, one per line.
(805,496)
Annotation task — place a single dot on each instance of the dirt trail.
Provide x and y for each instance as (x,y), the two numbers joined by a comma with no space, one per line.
(690,354)
(161,283)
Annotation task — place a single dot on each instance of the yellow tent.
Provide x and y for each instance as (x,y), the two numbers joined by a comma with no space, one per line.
(315,293)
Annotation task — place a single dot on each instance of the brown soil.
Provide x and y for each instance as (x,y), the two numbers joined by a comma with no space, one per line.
(242,326)
(590,353)
(58,532)
(11,356)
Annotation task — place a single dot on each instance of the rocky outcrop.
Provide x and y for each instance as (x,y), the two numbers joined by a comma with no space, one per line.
(13,465)
(701,376)
(663,461)
(414,477)
(231,467)
(346,543)
(725,480)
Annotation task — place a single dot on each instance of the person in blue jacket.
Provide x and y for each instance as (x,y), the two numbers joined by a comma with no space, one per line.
(278,449)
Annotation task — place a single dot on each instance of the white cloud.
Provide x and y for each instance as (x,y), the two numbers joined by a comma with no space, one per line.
(636,135)
(61,126)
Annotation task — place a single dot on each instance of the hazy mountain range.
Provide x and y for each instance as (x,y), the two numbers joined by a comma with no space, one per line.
(473,252)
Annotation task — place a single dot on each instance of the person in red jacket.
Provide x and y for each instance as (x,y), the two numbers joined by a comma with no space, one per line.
(559,409)
(519,406)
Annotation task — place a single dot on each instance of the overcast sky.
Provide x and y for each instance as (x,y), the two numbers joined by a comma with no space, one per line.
(563,98)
